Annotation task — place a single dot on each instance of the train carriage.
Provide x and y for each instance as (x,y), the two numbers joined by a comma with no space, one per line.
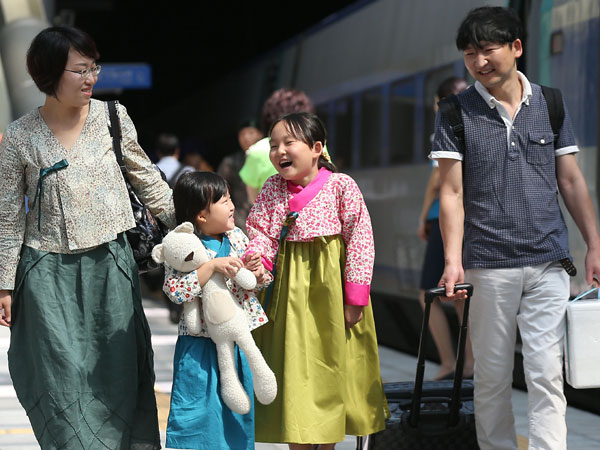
(372,70)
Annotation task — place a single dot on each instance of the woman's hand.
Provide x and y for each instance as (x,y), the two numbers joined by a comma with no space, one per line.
(352,315)
(227,265)
(5,304)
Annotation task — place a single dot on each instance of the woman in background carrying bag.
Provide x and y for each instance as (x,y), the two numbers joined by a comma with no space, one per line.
(80,355)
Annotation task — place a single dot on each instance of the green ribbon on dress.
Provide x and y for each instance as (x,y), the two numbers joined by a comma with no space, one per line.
(39,192)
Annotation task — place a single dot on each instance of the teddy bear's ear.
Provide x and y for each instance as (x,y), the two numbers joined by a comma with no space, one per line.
(185,227)
(158,253)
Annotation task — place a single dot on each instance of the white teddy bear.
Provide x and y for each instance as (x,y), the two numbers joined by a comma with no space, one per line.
(225,319)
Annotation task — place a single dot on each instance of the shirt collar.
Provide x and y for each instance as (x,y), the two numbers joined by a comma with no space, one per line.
(491,100)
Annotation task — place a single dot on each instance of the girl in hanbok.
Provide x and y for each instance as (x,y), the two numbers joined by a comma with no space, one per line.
(313,230)
(198,417)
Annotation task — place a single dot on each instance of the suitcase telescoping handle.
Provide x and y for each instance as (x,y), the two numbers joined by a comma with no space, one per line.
(460,358)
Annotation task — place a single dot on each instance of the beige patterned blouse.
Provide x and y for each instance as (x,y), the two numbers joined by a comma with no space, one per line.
(84,202)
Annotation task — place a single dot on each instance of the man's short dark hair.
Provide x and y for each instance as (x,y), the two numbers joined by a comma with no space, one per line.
(489,24)
(48,53)
(166,144)
(248,123)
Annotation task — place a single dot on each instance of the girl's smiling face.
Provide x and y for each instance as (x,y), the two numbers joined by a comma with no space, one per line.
(217,218)
(295,160)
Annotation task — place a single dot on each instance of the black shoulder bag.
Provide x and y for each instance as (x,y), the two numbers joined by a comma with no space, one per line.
(148,230)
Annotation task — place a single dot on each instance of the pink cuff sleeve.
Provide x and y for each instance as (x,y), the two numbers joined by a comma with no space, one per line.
(356,294)
(268,264)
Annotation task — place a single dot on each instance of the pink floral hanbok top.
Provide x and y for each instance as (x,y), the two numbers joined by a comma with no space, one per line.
(331,204)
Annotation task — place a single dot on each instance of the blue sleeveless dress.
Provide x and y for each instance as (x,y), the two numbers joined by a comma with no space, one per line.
(198,418)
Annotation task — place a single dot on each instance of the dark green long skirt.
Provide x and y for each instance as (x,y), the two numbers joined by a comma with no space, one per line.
(80,354)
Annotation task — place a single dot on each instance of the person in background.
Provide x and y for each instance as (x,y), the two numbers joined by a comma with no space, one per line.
(248,134)
(501,191)
(257,167)
(168,152)
(320,340)
(433,265)
(80,354)
(194,158)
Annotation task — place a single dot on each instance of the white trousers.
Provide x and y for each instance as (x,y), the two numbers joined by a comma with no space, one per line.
(535,300)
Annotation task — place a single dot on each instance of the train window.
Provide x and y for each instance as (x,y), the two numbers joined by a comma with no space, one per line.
(402,121)
(341,134)
(432,81)
(370,128)
(323,112)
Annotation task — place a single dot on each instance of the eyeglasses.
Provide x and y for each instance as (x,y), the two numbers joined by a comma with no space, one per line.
(87,72)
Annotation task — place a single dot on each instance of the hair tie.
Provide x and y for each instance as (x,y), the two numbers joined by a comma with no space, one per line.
(325,154)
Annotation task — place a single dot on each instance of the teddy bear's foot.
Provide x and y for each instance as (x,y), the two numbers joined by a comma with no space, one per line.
(235,397)
(265,387)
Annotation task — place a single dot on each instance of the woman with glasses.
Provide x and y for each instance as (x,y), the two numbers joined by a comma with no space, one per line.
(80,355)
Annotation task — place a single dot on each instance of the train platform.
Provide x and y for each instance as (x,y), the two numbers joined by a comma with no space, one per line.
(16,434)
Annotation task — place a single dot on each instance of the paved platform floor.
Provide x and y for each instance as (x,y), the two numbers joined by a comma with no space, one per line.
(16,434)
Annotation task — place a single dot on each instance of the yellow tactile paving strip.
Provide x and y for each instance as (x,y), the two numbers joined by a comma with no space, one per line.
(17,431)
(523,442)
(163,402)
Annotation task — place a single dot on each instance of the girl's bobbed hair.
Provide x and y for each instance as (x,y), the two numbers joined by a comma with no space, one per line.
(196,191)
(308,128)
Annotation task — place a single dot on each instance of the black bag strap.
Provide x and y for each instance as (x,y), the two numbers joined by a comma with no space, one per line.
(175,176)
(115,132)
(556,109)
(415,410)
(450,108)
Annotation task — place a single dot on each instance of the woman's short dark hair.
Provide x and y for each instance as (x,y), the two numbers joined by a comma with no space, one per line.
(196,191)
(308,128)
(48,53)
(489,24)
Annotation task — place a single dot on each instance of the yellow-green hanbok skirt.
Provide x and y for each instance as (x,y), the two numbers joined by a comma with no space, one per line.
(328,377)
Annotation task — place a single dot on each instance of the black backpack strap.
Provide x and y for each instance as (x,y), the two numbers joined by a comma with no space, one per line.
(115,132)
(450,108)
(175,176)
(556,109)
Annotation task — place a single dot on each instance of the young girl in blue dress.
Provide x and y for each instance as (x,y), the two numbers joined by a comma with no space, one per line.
(198,418)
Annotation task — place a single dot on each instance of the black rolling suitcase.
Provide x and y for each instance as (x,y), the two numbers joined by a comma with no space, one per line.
(430,415)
